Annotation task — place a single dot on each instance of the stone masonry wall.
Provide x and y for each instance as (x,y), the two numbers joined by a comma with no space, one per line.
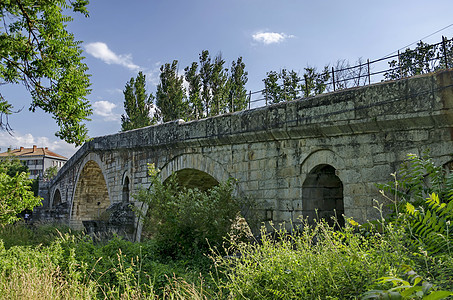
(363,133)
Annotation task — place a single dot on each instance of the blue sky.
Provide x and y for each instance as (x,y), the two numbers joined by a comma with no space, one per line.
(121,38)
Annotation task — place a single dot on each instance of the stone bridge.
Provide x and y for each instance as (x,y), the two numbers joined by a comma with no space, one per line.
(321,155)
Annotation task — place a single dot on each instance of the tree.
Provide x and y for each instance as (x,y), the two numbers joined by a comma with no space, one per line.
(170,95)
(282,86)
(237,94)
(11,165)
(37,51)
(16,194)
(50,172)
(315,83)
(423,59)
(211,89)
(347,76)
(287,85)
(290,86)
(193,78)
(220,91)
(218,86)
(271,87)
(205,76)
(137,104)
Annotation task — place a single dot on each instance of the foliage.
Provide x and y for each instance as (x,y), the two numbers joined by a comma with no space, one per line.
(137,104)
(421,195)
(416,179)
(37,51)
(11,165)
(423,200)
(425,58)
(21,234)
(35,273)
(237,94)
(212,89)
(412,288)
(187,221)
(50,172)
(431,227)
(16,194)
(287,85)
(217,85)
(194,89)
(170,95)
(315,83)
(308,263)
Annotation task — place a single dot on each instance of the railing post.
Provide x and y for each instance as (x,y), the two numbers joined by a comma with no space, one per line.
(444,46)
(250,98)
(333,78)
(369,76)
(306,85)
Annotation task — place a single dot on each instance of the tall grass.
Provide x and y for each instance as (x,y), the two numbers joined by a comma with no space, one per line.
(310,263)
(391,257)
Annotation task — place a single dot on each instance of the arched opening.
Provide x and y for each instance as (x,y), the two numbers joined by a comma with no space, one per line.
(91,197)
(322,195)
(56,198)
(192,178)
(126,190)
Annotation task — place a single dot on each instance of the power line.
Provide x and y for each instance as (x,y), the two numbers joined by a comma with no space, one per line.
(429,35)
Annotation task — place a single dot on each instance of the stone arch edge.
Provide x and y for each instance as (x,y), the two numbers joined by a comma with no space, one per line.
(196,161)
(89,157)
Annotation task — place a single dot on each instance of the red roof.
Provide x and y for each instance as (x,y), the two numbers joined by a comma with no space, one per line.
(35,151)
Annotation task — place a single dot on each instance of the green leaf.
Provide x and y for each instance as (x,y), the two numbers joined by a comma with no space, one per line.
(438,295)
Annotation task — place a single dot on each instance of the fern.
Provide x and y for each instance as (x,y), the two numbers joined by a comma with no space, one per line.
(423,192)
(430,226)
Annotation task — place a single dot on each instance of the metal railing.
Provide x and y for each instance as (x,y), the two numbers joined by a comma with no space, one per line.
(398,66)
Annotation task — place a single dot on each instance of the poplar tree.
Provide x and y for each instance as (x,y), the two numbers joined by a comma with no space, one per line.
(237,94)
(193,79)
(217,82)
(288,85)
(271,87)
(205,76)
(170,95)
(137,104)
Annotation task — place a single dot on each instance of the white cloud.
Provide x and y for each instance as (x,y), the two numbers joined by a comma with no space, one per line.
(105,109)
(268,38)
(17,140)
(153,75)
(101,50)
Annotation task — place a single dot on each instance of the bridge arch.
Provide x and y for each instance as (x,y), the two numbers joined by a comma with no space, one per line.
(91,194)
(56,198)
(193,170)
(196,162)
(126,183)
(322,187)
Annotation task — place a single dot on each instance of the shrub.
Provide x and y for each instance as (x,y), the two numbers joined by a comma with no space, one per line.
(422,196)
(313,263)
(187,221)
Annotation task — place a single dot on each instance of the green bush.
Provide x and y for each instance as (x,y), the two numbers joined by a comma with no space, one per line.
(21,234)
(313,263)
(187,221)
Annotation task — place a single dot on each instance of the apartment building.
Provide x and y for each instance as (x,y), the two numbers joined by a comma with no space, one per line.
(36,159)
